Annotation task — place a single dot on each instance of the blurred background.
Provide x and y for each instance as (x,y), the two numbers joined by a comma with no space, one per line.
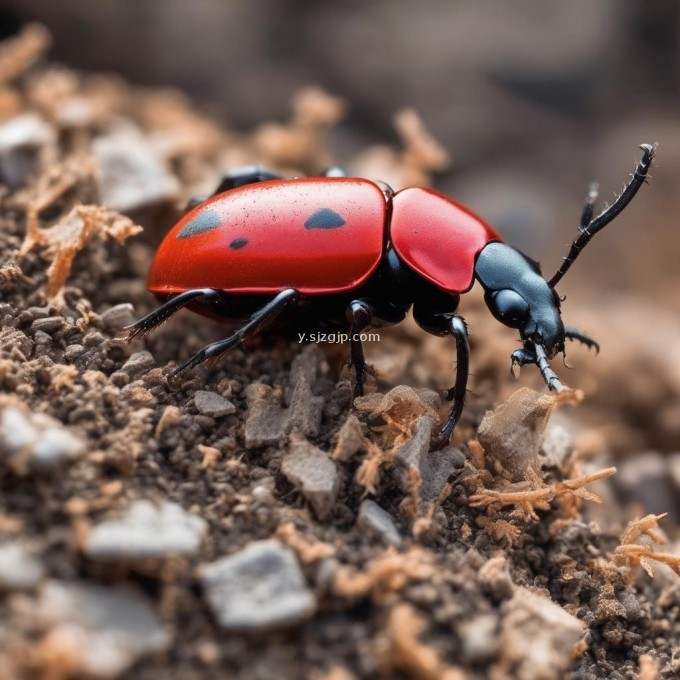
(532,99)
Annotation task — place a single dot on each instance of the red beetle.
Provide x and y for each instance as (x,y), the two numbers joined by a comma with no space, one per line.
(347,254)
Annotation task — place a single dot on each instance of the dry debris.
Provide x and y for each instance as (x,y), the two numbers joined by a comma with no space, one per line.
(534,494)
(69,236)
(406,653)
(637,549)
(384,575)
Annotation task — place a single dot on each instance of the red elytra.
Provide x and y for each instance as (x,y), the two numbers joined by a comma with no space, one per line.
(317,235)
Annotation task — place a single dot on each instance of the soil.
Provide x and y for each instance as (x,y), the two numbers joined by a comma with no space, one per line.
(364,552)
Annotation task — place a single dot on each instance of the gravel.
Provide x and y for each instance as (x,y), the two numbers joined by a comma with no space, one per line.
(146,531)
(313,472)
(260,588)
(373,519)
(105,628)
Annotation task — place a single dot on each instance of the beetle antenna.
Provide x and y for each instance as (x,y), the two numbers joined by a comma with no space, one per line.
(589,226)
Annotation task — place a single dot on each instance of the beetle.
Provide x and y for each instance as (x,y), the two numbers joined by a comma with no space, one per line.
(337,252)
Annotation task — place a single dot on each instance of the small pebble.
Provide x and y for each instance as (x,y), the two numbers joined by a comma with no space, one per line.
(258,589)
(146,531)
(313,472)
(49,324)
(413,451)
(42,338)
(375,520)
(117,317)
(21,139)
(213,404)
(72,352)
(138,363)
(19,570)
(304,413)
(93,339)
(105,628)
(35,441)
(537,635)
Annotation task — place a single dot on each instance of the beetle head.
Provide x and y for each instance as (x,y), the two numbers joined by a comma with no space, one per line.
(519,297)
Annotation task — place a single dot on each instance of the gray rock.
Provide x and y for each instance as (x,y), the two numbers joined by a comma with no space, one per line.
(435,469)
(35,442)
(146,531)
(304,413)
(537,636)
(313,472)
(412,452)
(213,404)
(351,439)
(265,423)
(374,519)
(307,364)
(21,141)
(117,317)
(258,589)
(268,423)
(132,174)
(512,433)
(41,338)
(107,628)
(138,364)
(49,324)
(19,570)
(72,352)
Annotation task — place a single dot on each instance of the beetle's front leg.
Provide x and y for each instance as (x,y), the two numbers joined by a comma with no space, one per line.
(533,353)
(457,393)
(522,357)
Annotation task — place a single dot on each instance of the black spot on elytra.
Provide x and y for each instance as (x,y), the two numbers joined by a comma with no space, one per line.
(238,243)
(325,218)
(204,221)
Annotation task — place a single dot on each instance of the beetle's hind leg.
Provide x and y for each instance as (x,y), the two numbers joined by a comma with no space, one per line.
(147,323)
(258,321)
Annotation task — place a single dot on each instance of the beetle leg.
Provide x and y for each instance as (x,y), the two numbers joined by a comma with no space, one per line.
(458,329)
(574,334)
(258,321)
(522,357)
(359,315)
(165,311)
(551,380)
